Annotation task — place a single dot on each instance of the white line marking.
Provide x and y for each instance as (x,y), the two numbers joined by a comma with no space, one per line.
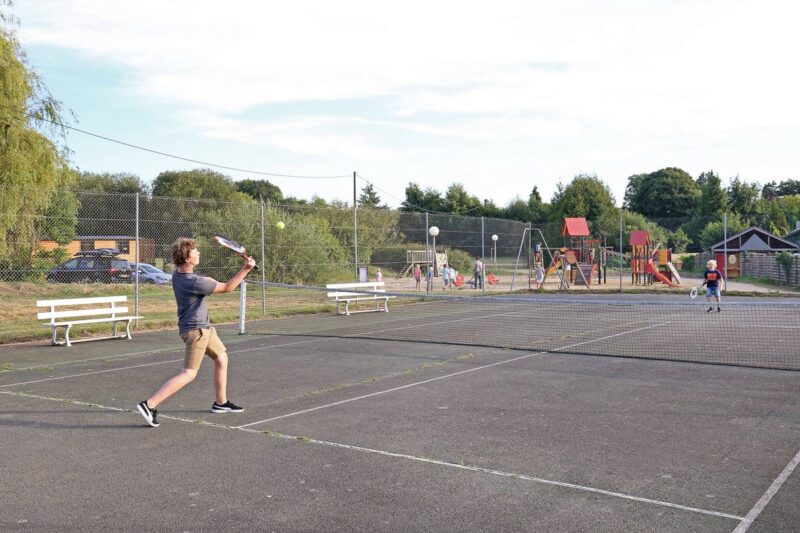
(748,520)
(406,456)
(445,377)
(150,364)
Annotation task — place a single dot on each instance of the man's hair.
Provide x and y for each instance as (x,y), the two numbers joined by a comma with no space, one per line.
(181,249)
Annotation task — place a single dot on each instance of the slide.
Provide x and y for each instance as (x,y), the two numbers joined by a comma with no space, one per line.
(651,269)
(675,275)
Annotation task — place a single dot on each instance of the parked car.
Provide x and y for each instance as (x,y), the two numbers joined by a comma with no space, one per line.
(150,274)
(102,265)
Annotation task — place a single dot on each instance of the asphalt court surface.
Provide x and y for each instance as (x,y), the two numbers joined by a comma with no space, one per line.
(365,435)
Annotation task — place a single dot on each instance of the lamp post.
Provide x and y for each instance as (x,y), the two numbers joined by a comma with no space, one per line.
(494,249)
(434,231)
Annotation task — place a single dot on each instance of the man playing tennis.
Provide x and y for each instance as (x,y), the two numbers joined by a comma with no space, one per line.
(712,279)
(195,329)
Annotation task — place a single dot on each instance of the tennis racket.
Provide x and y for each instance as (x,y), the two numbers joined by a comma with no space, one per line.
(693,293)
(232,245)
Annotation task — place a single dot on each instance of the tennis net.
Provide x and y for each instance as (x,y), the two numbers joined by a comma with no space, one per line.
(748,332)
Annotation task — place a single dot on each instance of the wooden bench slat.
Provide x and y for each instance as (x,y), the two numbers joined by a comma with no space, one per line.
(82,312)
(94,321)
(353,286)
(82,301)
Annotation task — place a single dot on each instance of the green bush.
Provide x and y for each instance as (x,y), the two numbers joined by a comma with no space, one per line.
(392,257)
(786,261)
(461,261)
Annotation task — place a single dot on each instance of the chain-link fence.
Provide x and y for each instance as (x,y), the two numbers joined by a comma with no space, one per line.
(62,243)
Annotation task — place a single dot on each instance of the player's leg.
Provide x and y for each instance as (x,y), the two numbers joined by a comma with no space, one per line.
(216,350)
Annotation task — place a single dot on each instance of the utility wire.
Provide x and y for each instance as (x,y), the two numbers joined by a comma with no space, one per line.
(123,143)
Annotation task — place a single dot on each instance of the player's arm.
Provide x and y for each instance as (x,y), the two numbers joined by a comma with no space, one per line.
(231,284)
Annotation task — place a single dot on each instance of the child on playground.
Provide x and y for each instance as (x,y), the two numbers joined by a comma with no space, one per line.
(445,278)
(712,278)
(378,275)
(417,276)
(194,327)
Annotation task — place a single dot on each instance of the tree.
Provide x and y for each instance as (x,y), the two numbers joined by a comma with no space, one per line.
(714,231)
(770,190)
(369,197)
(457,200)
(669,192)
(198,183)
(789,188)
(489,209)
(713,200)
(743,197)
(262,189)
(31,158)
(537,208)
(417,200)
(119,183)
(586,196)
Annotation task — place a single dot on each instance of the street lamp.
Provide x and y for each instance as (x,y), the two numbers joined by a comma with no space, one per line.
(434,231)
(494,248)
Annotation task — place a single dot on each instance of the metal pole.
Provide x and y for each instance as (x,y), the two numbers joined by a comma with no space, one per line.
(483,258)
(621,257)
(530,262)
(242,305)
(136,287)
(427,253)
(355,227)
(725,252)
(263,263)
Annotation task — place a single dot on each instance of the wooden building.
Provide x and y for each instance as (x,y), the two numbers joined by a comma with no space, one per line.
(753,239)
(126,245)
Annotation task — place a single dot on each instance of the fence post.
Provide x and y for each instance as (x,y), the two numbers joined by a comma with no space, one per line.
(427,255)
(263,261)
(137,258)
(355,227)
(725,252)
(621,257)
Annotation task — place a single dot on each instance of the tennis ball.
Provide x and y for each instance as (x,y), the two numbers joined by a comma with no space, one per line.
(280,225)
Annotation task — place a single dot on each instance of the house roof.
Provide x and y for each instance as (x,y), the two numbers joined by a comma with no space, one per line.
(754,239)
(575,227)
(640,238)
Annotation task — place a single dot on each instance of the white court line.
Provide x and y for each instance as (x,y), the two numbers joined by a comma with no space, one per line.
(385,453)
(445,377)
(151,364)
(266,347)
(748,520)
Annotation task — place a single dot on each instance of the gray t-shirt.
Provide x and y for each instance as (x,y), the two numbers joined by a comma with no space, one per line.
(190,294)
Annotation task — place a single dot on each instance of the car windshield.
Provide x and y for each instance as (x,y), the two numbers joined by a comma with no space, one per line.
(149,268)
(120,263)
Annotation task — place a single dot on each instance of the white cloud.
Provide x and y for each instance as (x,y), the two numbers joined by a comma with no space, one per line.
(642,82)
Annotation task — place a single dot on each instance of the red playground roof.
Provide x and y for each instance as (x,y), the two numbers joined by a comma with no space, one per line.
(575,227)
(640,238)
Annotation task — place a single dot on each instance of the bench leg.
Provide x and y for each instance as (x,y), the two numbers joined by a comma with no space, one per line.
(66,336)
(386,305)
(114,332)
(127,329)
(53,341)
(347,308)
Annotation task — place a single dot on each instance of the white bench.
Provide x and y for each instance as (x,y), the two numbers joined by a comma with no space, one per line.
(117,314)
(341,295)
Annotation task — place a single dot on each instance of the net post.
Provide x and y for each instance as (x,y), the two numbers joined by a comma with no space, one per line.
(138,258)
(242,306)
(263,259)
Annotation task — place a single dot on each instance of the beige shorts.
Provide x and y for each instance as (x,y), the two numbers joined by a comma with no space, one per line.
(200,342)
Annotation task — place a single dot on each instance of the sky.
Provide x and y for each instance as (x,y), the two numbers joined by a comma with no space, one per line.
(499,96)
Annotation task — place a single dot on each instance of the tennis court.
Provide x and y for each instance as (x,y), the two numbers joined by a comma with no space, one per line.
(441,415)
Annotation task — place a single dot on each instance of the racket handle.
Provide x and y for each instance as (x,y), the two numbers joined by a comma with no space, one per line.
(247,258)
